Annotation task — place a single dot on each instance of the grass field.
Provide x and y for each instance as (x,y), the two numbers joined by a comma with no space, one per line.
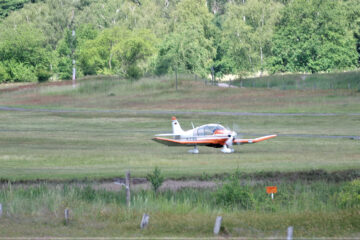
(97,144)
(58,146)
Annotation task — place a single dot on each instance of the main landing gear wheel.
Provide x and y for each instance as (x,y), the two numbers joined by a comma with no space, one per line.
(194,151)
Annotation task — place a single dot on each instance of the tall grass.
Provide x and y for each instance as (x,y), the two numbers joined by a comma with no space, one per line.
(310,206)
(113,85)
(347,80)
(49,201)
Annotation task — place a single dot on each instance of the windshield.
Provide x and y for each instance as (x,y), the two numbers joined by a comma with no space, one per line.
(209,129)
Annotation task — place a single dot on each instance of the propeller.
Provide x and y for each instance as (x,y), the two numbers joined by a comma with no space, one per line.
(236,128)
(229,142)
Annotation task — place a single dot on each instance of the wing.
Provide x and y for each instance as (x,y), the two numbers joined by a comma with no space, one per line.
(167,135)
(254,140)
(183,142)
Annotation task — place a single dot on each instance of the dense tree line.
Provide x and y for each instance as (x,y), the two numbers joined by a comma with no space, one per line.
(130,38)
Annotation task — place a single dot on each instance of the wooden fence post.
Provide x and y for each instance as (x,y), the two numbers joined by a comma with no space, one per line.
(290,233)
(0,210)
(144,221)
(67,216)
(127,185)
(217,225)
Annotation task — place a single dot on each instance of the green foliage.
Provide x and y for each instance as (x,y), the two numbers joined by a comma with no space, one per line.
(42,74)
(4,76)
(246,35)
(189,48)
(233,195)
(20,72)
(22,52)
(67,50)
(155,178)
(117,51)
(7,6)
(313,36)
(120,37)
(349,197)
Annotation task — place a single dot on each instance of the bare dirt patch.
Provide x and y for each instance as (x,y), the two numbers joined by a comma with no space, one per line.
(12,87)
(172,185)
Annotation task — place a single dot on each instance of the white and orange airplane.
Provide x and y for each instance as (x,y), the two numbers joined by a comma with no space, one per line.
(210,135)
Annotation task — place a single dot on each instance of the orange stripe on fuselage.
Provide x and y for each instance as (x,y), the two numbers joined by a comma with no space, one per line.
(217,141)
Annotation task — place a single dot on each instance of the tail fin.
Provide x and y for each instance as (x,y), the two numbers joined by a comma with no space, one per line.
(176,126)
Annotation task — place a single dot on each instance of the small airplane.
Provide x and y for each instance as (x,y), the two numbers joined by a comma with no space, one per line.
(210,135)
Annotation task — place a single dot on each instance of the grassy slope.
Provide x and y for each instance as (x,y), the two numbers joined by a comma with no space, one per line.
(159,94)
(341,80)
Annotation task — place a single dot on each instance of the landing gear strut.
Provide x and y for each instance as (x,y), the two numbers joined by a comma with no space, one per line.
(195,150)
(225,149)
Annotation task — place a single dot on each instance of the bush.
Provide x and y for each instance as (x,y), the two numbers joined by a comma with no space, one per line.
(21,72)
(134,72)
(349,197)
(43,75)
(155,178)
(65,68)
(4,76)
(233,194)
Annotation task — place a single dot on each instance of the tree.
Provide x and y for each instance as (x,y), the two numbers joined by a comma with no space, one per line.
(117,51)
(24,54)
(352,8)
(127,14)
(7,6)
(247,30)
(67,48)
(189,47)
(313,36)
(155,178)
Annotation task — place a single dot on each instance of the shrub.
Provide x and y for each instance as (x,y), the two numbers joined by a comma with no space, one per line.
(155,178)
(21,72)
(4,76)
(43,75)
(233,194)
(134,72)
(65,68)
(349,197)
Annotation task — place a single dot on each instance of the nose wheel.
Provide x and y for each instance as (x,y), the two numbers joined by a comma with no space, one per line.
(226,149)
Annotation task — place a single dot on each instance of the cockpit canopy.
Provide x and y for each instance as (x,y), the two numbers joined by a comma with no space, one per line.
(208,129)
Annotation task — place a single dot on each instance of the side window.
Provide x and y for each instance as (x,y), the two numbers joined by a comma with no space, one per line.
(209,131)
(200,131)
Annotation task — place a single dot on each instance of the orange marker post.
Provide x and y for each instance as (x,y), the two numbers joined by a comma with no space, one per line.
(271,190)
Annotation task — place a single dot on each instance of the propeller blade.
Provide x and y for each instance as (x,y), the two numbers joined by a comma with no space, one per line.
(236,127)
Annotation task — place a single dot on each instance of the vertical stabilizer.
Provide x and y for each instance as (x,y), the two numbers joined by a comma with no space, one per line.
(176,126)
